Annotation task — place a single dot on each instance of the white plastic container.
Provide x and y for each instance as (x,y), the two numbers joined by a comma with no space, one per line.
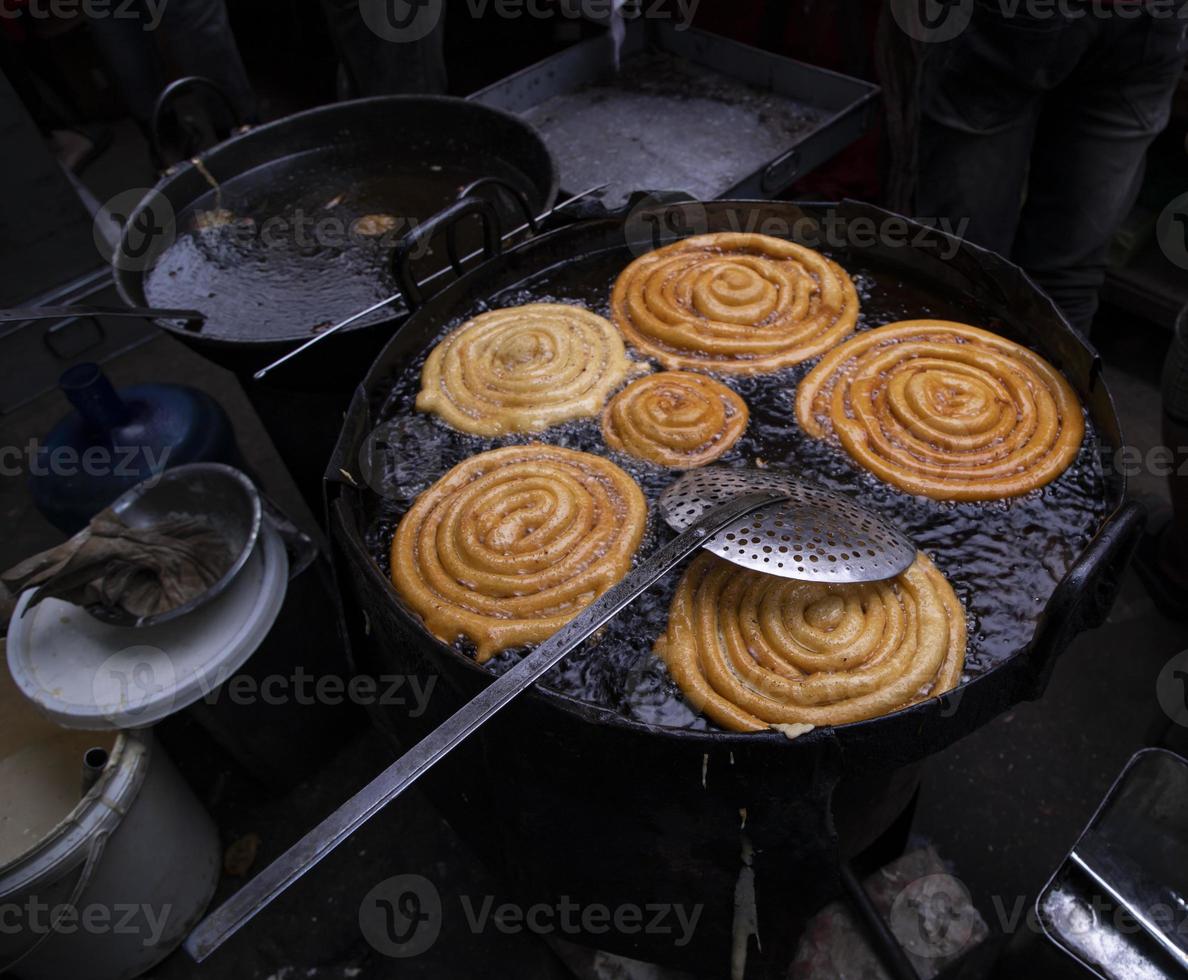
(136,859)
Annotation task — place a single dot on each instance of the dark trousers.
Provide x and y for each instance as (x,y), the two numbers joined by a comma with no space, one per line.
(195,38)
(378,59)
(1036,129)
(1175,373)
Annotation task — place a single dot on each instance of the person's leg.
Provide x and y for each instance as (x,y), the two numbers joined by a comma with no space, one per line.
(1162,556)
(16,66)
(380,58)
(980,96)
(198,39)
(1090,148)
(73,143)
(125,43)
(1174,544)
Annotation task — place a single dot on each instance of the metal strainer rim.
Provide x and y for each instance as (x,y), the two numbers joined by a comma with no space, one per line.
(817,536)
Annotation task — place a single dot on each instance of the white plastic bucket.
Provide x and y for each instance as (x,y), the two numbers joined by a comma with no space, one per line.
(106,886)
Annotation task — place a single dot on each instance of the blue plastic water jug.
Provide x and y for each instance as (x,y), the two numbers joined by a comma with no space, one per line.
(116,439)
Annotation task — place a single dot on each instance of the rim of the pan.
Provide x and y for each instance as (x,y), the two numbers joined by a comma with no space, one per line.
(597,714)
(261,133)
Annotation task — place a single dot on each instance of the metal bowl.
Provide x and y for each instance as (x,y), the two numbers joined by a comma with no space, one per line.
(214,492)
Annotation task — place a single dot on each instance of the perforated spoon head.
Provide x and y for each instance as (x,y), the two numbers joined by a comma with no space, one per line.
(812,535)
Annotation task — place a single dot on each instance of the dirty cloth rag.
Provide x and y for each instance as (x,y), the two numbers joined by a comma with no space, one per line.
(140,571)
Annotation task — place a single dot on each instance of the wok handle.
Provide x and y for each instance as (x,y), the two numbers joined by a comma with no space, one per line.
(1086,594)
(23,314)
(270,883)
(448,219)
(511,191)
(164,101)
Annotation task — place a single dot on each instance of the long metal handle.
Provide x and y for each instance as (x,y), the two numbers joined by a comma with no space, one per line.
(446,219)
(238,910)
(388,301)
(58,312)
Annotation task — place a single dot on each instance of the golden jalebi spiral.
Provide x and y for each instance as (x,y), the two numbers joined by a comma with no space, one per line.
(675,419)
(944,410)
(523,369)
(753,651)
(738,303)
(511,544)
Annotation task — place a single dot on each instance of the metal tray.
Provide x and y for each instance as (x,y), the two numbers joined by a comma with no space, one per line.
(688,111)
(1146,814)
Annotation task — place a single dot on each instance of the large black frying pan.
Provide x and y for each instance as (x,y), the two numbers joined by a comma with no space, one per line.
(569,798)
(261,234)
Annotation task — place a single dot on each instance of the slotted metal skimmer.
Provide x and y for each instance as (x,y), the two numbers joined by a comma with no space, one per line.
(811,534)
(747,516)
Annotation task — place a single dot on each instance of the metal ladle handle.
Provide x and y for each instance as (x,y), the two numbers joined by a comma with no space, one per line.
(21,314)
(241,907)
(388,301)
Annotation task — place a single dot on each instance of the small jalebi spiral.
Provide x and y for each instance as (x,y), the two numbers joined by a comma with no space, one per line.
(511,544)
(523,369)
(944,410)
(734,303)
(675,419)
(753,651)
